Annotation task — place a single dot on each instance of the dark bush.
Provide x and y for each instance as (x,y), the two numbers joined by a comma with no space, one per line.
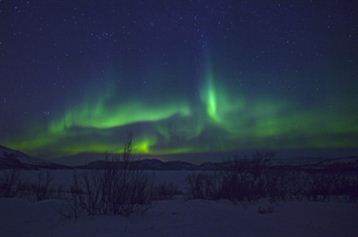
(166,191)
(253,179)
(10,181)
(113,190)
(42,189)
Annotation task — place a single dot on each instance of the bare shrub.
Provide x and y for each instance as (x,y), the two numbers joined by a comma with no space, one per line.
(13,185)
(203,185)
(113,190)
(59,192)
(324,186)
(42,188)
(166,191)
(241,180)
(348,187)
(10,181)
(254,179)
(265,209)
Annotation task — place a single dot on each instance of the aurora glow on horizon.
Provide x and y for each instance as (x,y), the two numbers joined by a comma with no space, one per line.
(211,77)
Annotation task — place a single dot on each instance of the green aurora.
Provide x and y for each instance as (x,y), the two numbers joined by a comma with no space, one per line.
(189,80)
(220,120)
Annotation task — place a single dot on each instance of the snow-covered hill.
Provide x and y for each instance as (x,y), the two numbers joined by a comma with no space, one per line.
(10,158)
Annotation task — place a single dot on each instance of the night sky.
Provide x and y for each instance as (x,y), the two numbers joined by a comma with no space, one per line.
(182,76)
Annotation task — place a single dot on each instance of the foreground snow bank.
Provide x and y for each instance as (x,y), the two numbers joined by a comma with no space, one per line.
(184,218)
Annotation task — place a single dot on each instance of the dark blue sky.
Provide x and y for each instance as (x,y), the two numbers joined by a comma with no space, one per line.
(183,76)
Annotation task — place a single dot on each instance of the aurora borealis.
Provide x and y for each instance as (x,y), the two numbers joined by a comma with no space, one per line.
(182,76)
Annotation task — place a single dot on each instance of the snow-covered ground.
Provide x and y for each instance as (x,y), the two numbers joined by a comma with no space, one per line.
(183,218)
(178,217)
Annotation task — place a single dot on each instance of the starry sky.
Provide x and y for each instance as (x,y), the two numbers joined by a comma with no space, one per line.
(183,77)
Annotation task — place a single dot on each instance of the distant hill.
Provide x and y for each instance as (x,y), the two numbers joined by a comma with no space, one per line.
(339,164)
(289,157)
(146,164)
(10,159)
(80,159)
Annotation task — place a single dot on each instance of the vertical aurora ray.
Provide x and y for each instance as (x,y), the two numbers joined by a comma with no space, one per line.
(211,98)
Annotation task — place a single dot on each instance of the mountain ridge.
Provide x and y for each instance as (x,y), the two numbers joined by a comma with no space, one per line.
(13,159)
(10,158)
